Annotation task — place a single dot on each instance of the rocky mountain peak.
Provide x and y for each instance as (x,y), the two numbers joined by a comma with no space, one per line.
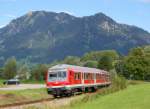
(43,36)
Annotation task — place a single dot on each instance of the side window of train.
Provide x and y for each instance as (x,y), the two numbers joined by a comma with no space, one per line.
(92,75)
(97,76)
(77,76)
(86,76)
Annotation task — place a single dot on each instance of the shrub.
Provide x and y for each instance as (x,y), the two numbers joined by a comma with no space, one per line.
(118,82)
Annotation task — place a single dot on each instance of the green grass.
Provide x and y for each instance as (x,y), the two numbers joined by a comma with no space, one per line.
(136,82)
(8,97)
(32,82)
(134,97)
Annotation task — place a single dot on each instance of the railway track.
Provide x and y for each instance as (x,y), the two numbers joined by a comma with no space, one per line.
(13,105)
(41,100)
(25,103)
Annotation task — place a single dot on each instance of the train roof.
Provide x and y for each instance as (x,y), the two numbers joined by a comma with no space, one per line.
(77,68)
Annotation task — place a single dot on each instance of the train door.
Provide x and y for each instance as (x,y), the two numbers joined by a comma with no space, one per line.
(71,77)
(77,77)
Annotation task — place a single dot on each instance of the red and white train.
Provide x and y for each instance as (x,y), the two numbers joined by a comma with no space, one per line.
(66,79)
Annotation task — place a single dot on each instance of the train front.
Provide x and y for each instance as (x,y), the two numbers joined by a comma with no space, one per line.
(56,81)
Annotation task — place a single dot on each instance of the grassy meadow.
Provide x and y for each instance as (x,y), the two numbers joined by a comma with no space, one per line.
(133,97)
(9,97)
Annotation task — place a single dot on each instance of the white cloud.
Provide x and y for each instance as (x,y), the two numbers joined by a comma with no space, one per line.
(9,15)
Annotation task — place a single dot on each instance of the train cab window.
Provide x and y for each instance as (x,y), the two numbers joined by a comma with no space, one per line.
(57,76)
(61,75)
(52,76)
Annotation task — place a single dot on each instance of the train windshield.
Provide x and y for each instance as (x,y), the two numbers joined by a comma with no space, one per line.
(57,76)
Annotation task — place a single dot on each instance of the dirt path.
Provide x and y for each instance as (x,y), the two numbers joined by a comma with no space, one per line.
(23,87)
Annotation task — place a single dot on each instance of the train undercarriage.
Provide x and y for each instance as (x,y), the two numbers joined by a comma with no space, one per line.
(69,91)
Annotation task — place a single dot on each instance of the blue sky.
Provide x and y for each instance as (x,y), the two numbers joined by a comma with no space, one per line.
(133,12)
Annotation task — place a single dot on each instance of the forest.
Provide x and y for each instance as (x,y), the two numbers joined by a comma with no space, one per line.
(134,66)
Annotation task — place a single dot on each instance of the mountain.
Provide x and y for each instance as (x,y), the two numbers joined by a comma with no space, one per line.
(44,36)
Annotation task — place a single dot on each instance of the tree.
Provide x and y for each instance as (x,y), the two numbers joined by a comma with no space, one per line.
(92,64)
(73,60)
(1,72)
(97,55)
(39,72)
(10,68)
(23,72)
(135,65)
(105,63)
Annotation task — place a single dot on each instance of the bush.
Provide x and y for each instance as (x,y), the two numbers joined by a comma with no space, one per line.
(118,82)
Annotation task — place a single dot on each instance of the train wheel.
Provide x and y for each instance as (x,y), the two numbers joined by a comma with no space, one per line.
(93,89)
(86,90)
(55,96)
(69,94)
(90,89)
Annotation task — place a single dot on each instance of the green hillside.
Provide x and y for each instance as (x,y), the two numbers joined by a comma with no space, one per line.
(134,97)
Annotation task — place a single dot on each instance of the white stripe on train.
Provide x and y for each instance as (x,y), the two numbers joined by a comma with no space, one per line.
(80,85)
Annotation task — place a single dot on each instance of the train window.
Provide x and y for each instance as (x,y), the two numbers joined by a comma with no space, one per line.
(85,76)
(52,76)
(88,76)
(99,76)
(103,76)
(61,75)
(77,76)
(92,75)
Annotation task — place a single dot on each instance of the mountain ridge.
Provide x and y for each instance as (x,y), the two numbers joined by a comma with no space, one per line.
(43,36)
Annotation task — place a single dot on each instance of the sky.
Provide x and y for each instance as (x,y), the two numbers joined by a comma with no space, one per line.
(132,12)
